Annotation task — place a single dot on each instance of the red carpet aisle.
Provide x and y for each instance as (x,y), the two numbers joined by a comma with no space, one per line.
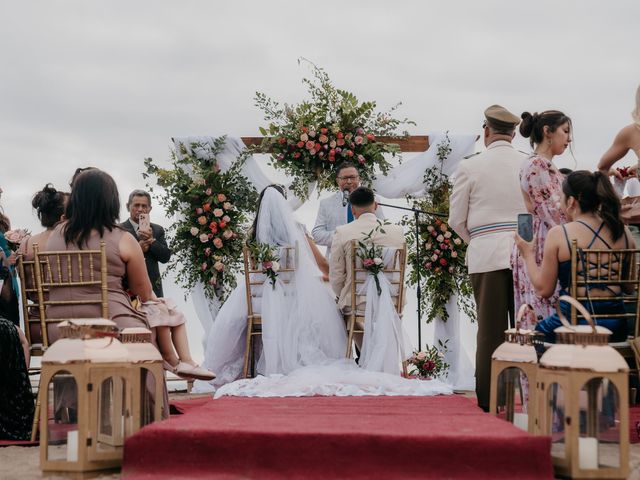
(443,437)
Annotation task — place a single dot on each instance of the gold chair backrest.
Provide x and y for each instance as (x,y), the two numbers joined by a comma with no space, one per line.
(34,322)
(394,271)
(255,279)
(65,269)
(605,268)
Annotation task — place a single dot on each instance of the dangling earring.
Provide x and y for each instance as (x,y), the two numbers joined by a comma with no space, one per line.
(549,142)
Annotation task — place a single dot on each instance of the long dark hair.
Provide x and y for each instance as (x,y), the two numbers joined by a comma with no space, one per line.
(594,193)
(49,204)
(94,204)
(532,125)
(254,226)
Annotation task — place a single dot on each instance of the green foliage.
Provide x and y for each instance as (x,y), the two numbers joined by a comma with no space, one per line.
(440,268)
(211,210)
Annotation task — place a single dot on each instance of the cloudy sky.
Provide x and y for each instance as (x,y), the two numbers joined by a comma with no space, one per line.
(109,83)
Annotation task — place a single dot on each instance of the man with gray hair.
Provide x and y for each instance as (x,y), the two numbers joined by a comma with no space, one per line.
(149,236)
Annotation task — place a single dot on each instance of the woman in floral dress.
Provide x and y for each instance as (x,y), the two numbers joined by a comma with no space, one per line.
(541,182)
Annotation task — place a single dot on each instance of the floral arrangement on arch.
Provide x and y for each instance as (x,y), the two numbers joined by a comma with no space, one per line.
(441,263)
(429,363)
(265,256)
(309,140)
(211,209)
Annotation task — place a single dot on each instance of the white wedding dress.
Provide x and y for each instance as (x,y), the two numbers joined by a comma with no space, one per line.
(304,338)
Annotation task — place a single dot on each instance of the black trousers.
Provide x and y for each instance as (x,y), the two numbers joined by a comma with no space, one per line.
(493,292)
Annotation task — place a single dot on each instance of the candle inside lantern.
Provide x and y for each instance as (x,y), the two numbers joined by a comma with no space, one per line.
(521,420)
(588,453)
(72,446)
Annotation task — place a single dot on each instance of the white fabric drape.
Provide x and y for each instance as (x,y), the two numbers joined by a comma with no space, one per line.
(404,179)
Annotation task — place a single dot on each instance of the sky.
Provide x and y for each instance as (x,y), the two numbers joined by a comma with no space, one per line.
(109,83)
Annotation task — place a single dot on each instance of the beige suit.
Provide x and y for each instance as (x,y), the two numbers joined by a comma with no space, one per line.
(483,210)
(339,271)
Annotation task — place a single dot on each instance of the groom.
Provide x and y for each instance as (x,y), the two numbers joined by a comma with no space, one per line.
(363,204)
(336,210)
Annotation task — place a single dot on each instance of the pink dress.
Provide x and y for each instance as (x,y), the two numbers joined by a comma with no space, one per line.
(543,183)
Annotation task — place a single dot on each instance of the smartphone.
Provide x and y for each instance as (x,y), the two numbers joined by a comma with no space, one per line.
(525,226)
(143,222)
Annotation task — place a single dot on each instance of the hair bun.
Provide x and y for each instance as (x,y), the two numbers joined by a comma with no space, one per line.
(526,126)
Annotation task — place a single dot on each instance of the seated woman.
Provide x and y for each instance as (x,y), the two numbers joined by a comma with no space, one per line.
(301,322)
(92,215)
(49,205)
(593,209)
(9,308)
(16,398)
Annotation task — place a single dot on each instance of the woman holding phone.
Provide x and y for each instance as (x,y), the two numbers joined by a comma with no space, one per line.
(593,210)
(541,183)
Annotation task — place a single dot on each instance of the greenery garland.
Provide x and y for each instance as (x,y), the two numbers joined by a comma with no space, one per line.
(441,262)
(212,215)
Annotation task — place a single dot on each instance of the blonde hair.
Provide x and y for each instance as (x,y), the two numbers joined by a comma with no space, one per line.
(636,112)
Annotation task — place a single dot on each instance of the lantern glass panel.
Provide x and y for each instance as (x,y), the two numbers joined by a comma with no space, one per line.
(555,420)
(147,403)
(600,428)
(62,417)
(112,408)
(512,399)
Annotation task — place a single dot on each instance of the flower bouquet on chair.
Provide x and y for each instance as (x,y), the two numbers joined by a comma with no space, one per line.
(265,256)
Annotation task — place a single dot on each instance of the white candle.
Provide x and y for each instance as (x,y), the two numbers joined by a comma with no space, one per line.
(521,420)
(72,446)
(588,453)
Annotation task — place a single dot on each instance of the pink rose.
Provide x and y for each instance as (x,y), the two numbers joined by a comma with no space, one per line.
(203,266)
(309,145)
(219,266)
(368,262)
(267,265)
(323,139)
(340,142)
(228,234)
(226,219)
(222,197)
(202,220)
(199,211)
(218,212)
(227,206)
(217,242)
(194,231)
(204,238)
(358,140)
(207,251)
(304,137)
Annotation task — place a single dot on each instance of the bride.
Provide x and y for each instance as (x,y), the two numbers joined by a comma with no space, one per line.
(301,322)
(304,336)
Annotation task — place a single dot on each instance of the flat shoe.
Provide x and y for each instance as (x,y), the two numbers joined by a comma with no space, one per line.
(168,367)
(185,370)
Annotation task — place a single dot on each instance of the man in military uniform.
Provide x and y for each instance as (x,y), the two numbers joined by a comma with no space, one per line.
(484,206)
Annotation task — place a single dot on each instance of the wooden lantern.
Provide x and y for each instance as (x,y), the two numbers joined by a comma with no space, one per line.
(148,374)
(86,402)
(584,405)
(514,367)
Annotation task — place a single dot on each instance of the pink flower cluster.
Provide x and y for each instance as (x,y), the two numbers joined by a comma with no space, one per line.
(442,249)
(323,145)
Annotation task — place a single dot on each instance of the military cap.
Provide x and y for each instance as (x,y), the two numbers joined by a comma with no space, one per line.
(500,118)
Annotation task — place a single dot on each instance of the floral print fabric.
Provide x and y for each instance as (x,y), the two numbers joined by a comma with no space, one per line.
(542,182)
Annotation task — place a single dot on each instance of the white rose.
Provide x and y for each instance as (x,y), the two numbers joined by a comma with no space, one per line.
(447,235)
(226,218)
(304,137)
(434,258)
(194,231)
(457,241)
(427,246)
(377,261)
(275,266)
(440,238)
(454,254)
(430,228)
(204,238)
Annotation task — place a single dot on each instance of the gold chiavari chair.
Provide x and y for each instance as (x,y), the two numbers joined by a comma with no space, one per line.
(66,269)
(255,282)
(395,273)
(613,268)
(33,322)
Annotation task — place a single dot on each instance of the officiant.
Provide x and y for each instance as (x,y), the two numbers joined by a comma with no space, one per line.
(336,210)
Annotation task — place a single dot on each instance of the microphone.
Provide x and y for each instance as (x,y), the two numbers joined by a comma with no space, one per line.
(345,197)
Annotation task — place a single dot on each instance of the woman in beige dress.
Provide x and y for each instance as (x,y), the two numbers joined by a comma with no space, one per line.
(92,216)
